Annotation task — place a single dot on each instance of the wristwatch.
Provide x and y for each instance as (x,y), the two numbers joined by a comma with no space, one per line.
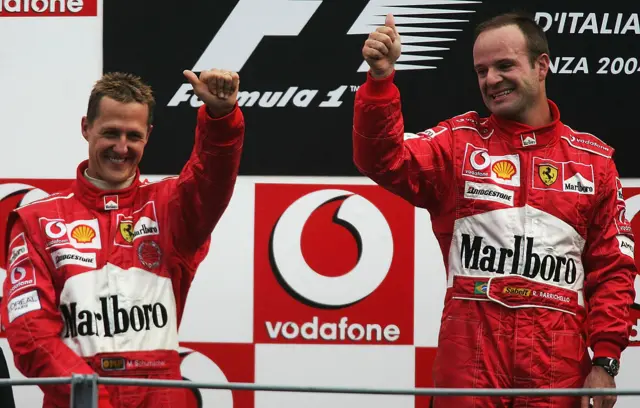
(611,365)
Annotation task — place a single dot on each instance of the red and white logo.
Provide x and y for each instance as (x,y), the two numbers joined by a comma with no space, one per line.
(479,164)
(55,231)
(111,202)
(48,8)
(22,275)
(426,134)
(141,223)
(528,139)
(218,363)
(16,193)
(17,249)
(578,178)
(622,222)
(333,265)
(571,177)
(631,196)
(619,188)
(82,234)
(69,256)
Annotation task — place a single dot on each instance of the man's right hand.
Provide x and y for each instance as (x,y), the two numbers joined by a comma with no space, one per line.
(382,49)
(218,89)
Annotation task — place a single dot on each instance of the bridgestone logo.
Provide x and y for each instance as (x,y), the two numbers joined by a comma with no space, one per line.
(70,257)
(488,192)
(476,173)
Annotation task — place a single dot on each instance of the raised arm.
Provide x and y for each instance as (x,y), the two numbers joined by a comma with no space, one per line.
(206,183)
(416,166)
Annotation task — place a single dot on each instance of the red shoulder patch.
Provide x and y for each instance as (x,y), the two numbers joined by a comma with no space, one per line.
(588,142)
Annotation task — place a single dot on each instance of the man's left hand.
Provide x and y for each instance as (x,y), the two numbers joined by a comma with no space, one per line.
(599,378)
(218,89)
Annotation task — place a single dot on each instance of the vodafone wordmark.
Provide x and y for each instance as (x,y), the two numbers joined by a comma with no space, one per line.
(330,331)
(27,8)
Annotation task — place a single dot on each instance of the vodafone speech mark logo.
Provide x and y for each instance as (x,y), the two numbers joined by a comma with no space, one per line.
(375,250)
(333,264)
(48,8)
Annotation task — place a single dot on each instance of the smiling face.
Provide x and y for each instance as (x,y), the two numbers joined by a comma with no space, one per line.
(510,84)
(117,138)
(117,126)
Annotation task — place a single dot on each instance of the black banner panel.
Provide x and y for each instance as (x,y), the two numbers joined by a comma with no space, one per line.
(300,63)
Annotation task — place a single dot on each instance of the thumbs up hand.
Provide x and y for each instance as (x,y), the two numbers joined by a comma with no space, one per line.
(382,49)
(218,89)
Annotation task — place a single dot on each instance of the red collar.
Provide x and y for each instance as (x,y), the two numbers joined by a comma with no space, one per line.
(522,136)
(103,200)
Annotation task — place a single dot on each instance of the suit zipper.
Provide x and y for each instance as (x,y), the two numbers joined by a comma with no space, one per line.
(524,166)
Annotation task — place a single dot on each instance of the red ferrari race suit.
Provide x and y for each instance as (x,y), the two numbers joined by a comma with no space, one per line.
(531,224)
(97,280)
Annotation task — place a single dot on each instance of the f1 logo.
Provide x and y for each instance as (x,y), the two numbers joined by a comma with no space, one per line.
(249,21)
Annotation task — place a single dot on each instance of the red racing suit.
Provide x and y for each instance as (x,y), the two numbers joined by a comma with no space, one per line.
(531,223)
(97,280)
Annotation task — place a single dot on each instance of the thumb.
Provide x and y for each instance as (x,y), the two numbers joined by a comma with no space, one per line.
(191,77)
(584,403)
(390,22)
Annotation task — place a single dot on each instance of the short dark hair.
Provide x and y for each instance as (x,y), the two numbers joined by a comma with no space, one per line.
(534,34)
(121,87)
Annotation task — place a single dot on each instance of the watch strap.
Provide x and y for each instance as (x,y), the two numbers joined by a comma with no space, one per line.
(611,365)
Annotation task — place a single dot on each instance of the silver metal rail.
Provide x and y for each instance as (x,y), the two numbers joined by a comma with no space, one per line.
(84,388)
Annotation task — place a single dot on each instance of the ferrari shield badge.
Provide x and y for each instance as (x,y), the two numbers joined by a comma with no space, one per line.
(548,174)
(126,230)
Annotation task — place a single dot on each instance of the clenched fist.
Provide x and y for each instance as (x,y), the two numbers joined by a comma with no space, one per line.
(382,49)
(218,89)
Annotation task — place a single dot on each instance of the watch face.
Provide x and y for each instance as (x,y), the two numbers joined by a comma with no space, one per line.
(610,364)
(615,365)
